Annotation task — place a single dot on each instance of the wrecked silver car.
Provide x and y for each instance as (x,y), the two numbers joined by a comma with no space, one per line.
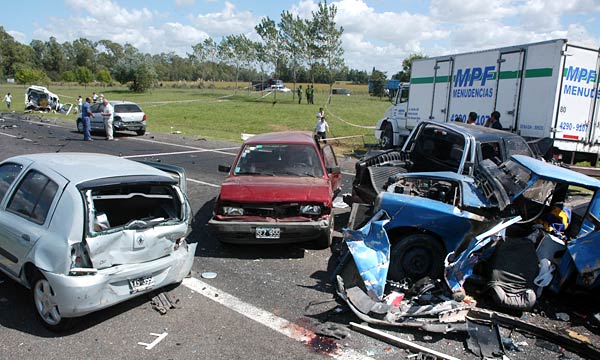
(546,236)
(87,231)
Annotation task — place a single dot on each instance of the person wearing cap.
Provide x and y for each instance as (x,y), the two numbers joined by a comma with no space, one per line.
(108,114)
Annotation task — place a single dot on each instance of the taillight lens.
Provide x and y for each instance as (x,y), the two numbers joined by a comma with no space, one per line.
(144,118)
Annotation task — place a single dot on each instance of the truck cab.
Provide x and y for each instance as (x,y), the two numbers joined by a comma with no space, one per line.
(394,127)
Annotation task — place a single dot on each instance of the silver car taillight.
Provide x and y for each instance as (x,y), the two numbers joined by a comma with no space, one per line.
(80,260)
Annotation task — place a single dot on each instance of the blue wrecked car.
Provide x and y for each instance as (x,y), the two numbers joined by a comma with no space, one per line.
(516,228)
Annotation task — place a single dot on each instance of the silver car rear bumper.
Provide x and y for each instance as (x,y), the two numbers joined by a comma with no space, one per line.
(81,295)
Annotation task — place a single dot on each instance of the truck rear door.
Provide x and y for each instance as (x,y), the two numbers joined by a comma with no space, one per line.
(577,113)
(441,90)
(510,70)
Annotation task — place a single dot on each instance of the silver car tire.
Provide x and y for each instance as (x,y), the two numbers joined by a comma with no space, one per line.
(80,127)
(45,304)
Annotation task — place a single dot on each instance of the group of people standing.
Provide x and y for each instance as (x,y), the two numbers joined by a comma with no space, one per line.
(86,116)
(493,121)
(310,91)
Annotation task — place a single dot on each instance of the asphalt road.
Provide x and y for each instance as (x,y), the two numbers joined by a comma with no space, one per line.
(265,303)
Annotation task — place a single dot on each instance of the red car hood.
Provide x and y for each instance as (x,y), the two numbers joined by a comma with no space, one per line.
(275,189)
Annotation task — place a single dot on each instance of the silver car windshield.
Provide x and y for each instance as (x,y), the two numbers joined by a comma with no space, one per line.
(279,160)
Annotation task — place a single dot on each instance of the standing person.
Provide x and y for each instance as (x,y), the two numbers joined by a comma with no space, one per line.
(79,103)
(86,112)
(307,92)
(8,99)
(494,121)
(108,112)
(299,92)
(472,119)
(95,97)
(312,94)
(322,127)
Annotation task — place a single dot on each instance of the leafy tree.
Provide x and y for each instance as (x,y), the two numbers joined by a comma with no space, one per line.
(404,74)
(14,54)
(237,51)
(84,75)
(206,55)
(69,76)
(378,79)
(108,53)
(103,75)
(27,75)
(329,41)
(271,49)
(85,53)
(135,69)
(291,34)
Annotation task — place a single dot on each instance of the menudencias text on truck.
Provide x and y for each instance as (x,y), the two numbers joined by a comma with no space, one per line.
(545,89)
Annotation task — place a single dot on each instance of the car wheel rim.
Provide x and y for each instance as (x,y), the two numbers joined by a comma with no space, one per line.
(416,262)
(45,302)
(80,127)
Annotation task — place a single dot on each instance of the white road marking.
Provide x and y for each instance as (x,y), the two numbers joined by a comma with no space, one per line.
(16,137)
(203,183)
(176,153)
(263,317)
(220,151)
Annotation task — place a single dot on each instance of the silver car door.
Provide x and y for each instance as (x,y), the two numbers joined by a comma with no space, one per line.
(27,215)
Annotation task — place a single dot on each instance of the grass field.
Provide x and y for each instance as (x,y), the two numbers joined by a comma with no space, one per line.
(215,112)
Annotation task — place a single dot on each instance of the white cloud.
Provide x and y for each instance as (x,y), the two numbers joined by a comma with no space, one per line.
(228,21)
(181,3)
(18,36)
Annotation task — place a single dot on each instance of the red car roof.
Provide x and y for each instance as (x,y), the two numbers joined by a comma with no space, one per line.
(283,137)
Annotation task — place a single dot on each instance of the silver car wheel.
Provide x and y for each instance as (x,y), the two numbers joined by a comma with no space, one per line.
(45,303)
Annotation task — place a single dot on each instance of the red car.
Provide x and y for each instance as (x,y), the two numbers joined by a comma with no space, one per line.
(279,190)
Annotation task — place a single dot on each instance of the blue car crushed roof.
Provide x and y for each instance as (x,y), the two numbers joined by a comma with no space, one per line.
(518,228)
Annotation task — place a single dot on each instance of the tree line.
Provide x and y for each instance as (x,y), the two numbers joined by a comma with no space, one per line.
(294,50)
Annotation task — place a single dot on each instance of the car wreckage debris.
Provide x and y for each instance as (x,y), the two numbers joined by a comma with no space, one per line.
(484,339)
(574,345)
(394,340)
(162,302)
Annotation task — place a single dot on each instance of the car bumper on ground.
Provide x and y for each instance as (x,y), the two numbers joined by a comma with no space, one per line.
(244,232)
(81,295)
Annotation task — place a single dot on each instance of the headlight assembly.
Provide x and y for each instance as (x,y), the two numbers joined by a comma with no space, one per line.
(310,210)
(232,211)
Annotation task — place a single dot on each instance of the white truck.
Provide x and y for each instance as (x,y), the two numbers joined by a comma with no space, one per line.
(544,89)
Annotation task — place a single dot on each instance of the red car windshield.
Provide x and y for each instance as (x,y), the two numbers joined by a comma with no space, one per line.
(279,160)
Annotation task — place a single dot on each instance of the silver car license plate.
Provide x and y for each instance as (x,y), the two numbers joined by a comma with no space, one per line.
(141,284)
(267,233)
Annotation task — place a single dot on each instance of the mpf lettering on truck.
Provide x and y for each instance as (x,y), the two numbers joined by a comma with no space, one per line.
(464,82)
(581,75)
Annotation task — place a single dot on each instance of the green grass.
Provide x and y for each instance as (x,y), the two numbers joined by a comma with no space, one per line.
(216,113)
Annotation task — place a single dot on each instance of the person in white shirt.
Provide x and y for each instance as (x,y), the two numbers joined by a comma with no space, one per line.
(79,103)
(108,113)
(322,127)
(8,99)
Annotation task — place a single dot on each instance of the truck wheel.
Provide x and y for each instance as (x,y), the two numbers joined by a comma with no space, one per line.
(325,240)
(44,302)
(416,256)
(387,137)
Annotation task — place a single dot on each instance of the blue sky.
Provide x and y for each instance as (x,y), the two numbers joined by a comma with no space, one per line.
(377,33)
